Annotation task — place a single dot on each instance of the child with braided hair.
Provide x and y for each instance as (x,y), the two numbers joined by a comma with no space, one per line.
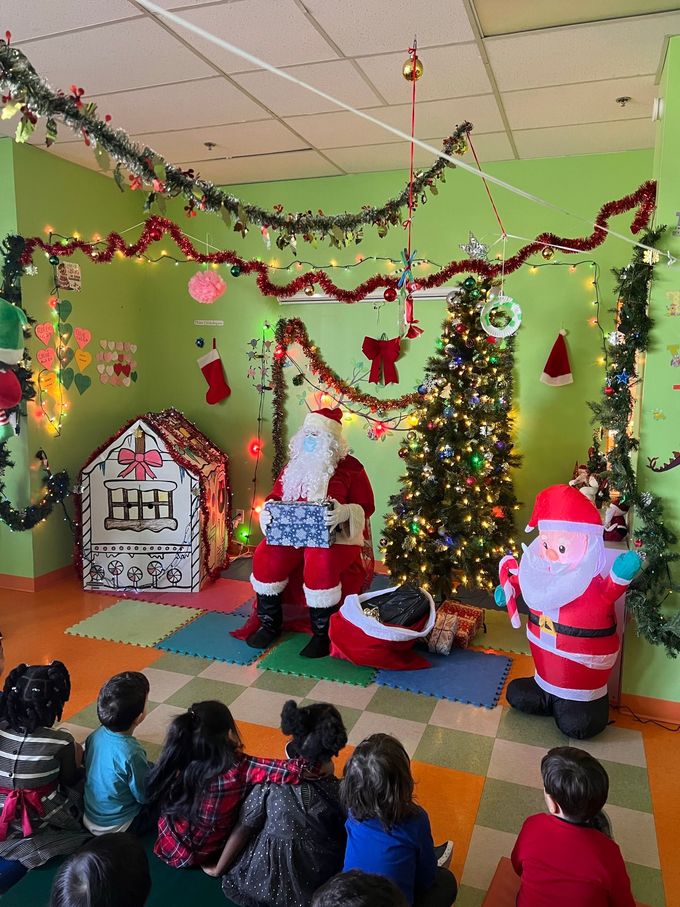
(40,814)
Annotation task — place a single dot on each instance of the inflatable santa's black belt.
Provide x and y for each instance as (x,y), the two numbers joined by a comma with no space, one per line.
(566,630)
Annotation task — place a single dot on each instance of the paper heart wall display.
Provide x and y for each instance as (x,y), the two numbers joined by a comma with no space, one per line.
(83,359)
(46,357)
(44,332)
(115,363)
(82,337)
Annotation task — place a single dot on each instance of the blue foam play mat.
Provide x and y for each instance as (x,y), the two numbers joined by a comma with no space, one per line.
(209,637)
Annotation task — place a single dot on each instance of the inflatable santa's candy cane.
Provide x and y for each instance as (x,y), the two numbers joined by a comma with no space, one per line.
(507,569)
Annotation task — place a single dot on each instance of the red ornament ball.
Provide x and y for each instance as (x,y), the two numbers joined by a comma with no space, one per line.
(469,481)
(460,329)
(638,543)
(390,294)
(430,425)
(491,340)
(403,452)
(608,391)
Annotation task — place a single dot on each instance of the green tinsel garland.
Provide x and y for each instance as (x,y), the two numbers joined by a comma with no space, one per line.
(32,97)
(654,584)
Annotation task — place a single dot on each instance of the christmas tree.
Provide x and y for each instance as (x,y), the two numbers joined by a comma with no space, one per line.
(453,519)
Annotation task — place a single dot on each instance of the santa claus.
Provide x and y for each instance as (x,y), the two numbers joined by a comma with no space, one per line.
(572,620)
(319,469)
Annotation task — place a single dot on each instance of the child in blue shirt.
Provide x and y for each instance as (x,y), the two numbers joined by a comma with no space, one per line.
(387,833)
(116,765)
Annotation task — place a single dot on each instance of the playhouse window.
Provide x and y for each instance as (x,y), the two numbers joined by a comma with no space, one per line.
(132,508)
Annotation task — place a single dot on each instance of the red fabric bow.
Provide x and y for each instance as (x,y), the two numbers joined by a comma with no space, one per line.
(17,802)
(140,462)
(383,354)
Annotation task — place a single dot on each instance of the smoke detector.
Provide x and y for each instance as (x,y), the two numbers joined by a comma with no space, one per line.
(623,100)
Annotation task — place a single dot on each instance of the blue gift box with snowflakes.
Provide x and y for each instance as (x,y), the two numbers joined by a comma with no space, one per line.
(299,525)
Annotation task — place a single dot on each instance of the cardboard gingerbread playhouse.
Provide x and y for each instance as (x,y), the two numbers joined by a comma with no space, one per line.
(155,508)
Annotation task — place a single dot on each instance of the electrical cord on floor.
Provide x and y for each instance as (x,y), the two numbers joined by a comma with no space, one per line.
(665,726)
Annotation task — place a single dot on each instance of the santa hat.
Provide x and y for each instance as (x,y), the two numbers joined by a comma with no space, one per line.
(328,420)
(557,370)
(564,507)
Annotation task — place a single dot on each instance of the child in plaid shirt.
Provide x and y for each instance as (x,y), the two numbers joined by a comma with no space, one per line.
(200,780)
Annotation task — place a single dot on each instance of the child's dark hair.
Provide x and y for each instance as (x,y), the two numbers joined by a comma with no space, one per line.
(34,696)
(122,699)
(359,889)
(317,730)
(109,871)
(577,783)
(200,744)
(377,783)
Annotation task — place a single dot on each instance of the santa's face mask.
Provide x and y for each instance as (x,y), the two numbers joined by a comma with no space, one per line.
(310,443)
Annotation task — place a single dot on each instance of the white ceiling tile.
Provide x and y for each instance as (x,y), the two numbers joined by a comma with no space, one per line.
(37,18)
(492,147)
(265,167)
(252,138)
(584,102)
(180,5)
(182,105)
(597,138)
(581,53)
(277,32)
(115,57)
(338,78)
(360,27)
(342,129)
(454,71)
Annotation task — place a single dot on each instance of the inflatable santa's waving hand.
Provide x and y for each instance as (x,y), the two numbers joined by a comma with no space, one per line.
(572,617)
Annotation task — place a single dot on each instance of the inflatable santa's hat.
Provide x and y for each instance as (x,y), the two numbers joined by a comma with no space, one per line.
(328,420)
(564,507)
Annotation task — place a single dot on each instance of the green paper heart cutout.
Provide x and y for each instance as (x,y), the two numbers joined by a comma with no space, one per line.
(65,355)
(65,331)
(63,309)
(133,376)
(66,377)
(82,383)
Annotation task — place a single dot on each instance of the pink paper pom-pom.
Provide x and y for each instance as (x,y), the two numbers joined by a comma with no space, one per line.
(206,286)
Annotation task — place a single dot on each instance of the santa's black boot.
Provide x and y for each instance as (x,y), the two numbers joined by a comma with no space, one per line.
(319,645)
(270,615)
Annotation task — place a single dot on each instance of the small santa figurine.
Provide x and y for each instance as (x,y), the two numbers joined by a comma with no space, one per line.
(586,483)
(616,519)
(572,619)
(319,469)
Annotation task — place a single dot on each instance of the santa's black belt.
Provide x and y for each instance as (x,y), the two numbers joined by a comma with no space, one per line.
(566,630)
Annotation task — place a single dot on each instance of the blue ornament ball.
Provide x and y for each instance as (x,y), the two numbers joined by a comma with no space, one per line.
(200,343)
(422,389)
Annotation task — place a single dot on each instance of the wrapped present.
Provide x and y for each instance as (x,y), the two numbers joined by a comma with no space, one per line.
(466,630)
(469,620)
(300,525)
(440,640)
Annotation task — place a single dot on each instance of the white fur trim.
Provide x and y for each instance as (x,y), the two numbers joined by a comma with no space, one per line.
(565,693)
(354,614)
(11,356)
(323,598)
(619,580)
(559,381)
(351,532)
(569,526)
(267,588)
(323,423)
(207,358)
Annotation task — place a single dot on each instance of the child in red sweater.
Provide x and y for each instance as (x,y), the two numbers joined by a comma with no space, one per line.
(568,857)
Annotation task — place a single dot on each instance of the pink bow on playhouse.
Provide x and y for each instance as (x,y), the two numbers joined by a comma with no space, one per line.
(140,461)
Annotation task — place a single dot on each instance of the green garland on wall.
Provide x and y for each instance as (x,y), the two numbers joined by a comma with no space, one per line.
(654,539)
(57,484)
(26,93)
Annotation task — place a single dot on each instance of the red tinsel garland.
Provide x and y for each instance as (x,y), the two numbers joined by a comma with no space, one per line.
(642,199)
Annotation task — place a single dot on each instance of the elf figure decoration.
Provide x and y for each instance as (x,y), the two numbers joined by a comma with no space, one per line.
(572,619)
(12,323)
(319,469)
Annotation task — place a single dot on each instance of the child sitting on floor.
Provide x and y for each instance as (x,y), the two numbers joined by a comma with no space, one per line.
(387,833)
(200,780)
(295,836)
(116,766)
(568,857)
(40,813)
(110,871)
(359,889)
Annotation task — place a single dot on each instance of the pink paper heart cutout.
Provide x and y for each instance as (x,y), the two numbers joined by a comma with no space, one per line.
(83,336)
(109,370)
(114,379)
(102,344)
(100,356)
(46,357)
(133,347)
(111,344)
(126,382)
(119,345)
(104,379)
(44,332)
(108,356)
(101,369)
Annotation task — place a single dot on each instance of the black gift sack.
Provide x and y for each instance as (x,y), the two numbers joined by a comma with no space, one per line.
(401,607)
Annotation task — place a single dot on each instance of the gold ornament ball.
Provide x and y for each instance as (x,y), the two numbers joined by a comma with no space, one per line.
(547,252)
(412,69)
(309,290)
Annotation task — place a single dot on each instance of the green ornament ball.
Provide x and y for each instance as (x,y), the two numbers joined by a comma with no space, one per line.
(475,293)
(53,260)
(469,283)
(235,270)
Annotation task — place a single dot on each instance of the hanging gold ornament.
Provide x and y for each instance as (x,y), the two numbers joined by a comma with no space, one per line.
(412,69)
(547,252)
(309,290)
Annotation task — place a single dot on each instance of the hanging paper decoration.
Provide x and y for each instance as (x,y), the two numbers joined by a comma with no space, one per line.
(557,370)
(206,286)
(510,310)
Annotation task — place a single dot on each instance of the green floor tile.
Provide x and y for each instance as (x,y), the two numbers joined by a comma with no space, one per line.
(469,897)
(200,689)
(349,715)
(285,683)
(628,786)
(153,750)
(182,664)
(86,717)
(647,885)
(455,749)
(402,704)
(535,730)
(505,806)
(135,622)
(286,659)
(501,635)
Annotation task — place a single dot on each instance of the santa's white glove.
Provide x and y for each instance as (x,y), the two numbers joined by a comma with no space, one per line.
(265,520)
(339,514)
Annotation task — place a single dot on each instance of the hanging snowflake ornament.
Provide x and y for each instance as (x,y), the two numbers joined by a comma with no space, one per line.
(474,248)
(616,338)
(646,498)
(651,257)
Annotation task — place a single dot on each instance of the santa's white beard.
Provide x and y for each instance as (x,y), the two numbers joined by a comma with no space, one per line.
(547,586)
(307,474)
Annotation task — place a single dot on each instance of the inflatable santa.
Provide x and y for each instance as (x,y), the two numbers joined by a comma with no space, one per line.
(319,469)
(572,620)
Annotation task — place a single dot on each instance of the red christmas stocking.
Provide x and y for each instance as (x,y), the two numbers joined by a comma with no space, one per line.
(213,372)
